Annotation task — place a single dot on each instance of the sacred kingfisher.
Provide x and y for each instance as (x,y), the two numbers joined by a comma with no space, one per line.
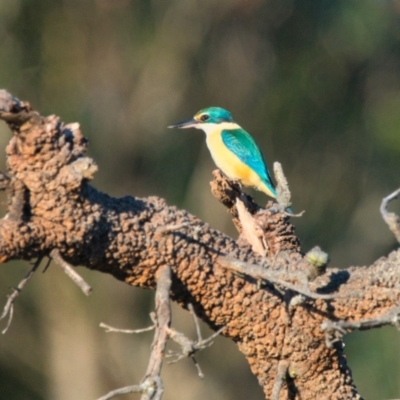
(233,150)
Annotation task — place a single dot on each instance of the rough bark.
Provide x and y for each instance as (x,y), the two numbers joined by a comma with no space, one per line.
(51,205)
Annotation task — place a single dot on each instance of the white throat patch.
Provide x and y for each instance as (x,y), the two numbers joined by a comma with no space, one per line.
(210,128)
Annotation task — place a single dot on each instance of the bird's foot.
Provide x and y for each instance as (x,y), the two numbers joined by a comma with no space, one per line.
(285,209)
(289,212)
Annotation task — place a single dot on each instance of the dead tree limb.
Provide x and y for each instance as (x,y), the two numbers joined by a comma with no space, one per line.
(52,205)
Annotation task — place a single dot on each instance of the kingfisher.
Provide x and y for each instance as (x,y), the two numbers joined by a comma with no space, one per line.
(233,150)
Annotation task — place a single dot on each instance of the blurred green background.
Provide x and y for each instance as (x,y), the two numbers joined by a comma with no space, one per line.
(317,83)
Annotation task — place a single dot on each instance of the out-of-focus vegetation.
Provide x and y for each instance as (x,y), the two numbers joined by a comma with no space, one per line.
(317,83)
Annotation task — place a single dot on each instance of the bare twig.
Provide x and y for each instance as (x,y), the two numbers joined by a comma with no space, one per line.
(390,218)
(194,346)
(47,265)
(121,391)
(152,387)
(9,307)
(163,312)
(297,215)
(148,388)
(10,315)
(259,272)
(109,329)
(70,272)
(190,347)
(280,379)
(196,321)
(335,330)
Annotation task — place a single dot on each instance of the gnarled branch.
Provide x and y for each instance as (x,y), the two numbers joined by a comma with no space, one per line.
(53,206)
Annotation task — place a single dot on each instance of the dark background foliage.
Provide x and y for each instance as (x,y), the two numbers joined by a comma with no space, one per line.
(317,83)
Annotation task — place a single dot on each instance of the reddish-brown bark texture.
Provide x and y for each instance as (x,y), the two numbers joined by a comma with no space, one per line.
(52,206)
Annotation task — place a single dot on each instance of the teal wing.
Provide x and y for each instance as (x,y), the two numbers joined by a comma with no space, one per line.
(243,145)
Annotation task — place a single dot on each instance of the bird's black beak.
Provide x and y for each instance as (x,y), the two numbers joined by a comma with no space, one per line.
(188,123)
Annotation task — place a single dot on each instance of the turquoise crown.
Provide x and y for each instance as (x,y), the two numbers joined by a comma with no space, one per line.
(214,115)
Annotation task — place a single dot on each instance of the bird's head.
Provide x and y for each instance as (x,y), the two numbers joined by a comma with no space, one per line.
(206,119)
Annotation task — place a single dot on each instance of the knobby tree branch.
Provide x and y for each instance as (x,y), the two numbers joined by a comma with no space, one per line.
(259,287)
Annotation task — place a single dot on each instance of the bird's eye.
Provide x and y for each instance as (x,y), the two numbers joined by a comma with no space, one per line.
(204,117)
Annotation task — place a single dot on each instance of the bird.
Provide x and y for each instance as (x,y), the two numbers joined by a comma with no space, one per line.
(233,150)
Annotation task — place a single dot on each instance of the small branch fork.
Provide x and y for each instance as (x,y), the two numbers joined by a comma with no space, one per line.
(335,330)
(67,268)
(189,348)
(152,387)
